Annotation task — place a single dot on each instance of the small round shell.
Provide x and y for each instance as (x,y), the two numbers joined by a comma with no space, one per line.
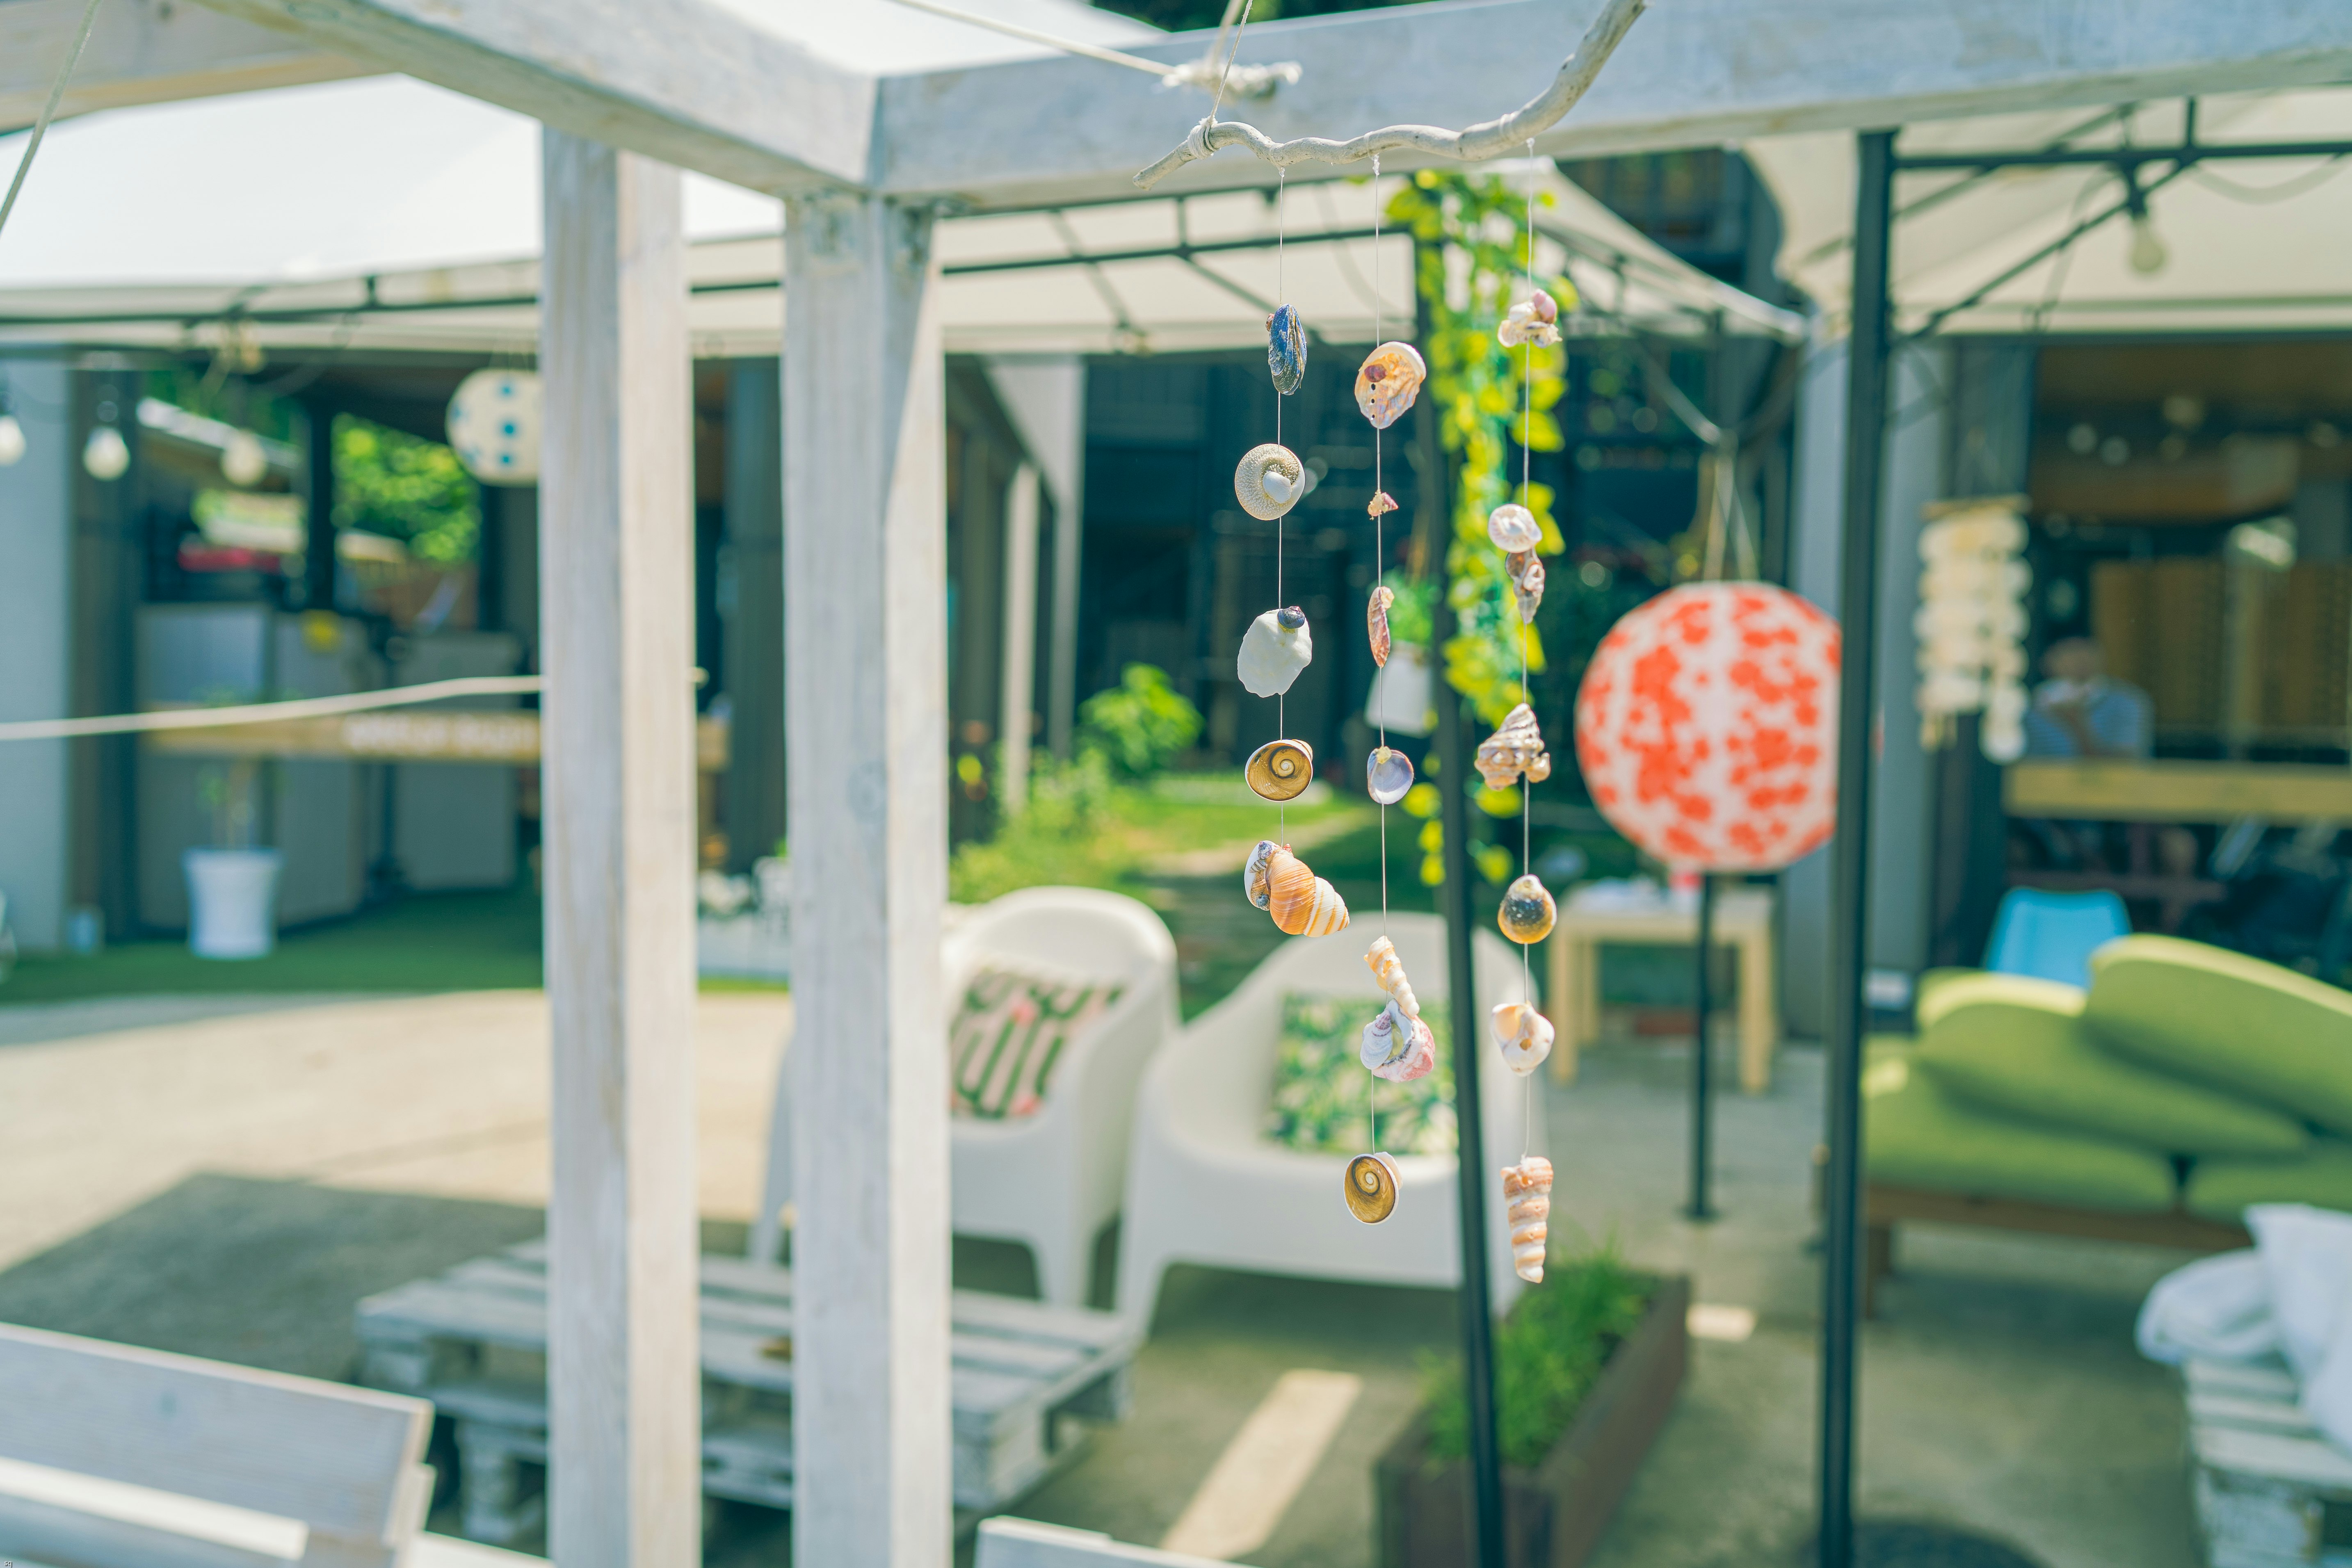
(1254,878)
(1387,774)
(1281,770)
(1285,349)
(1371,1187)
(1376,621)
(1388,381)
(1527,911)
(1522,1036)
(1513,527)
(1269,482)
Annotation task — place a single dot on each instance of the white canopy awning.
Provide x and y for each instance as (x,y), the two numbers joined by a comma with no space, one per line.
(2237,245)
(387,214)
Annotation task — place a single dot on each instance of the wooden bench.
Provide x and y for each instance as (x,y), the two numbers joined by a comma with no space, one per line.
(1028,1380)
(112,1457)
(1885,1207)
(2271,1492)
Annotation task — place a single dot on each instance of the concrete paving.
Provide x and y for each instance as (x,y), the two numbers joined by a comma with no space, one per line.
(231,1183)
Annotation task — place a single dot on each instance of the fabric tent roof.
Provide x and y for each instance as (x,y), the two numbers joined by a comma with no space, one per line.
(385,213)
(2249,244)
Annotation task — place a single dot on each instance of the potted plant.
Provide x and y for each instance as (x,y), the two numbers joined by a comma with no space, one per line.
(233,886)
(1586,1369)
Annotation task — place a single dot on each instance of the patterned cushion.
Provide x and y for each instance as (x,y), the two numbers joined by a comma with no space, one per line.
(1008,1032)
(1320,1094)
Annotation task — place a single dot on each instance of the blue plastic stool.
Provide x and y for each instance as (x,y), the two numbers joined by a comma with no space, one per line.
(2052,935)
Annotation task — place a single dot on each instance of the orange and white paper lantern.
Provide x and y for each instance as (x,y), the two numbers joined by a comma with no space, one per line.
(1706,727)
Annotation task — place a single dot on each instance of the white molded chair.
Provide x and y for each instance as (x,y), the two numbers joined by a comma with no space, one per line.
(1052,1179)
(1205,1185)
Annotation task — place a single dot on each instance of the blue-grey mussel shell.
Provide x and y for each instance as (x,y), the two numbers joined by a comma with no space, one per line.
(1285,348)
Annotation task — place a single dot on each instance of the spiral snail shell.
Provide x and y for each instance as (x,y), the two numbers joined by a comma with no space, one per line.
(1526,1203)
(1280,770)
(1376,621)
(1527,911)
(1511,527)
(1277,646)
(1255,886)
(1285,348)
(1397,1047)
(1388,381)
(1515,748)
(1302,903)
(1371,1187)
(1269,481)
(1388,970)
(1522,1035)
(1387,774)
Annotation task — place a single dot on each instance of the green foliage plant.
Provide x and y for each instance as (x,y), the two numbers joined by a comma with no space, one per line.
(1138,725)
(1547,1354)
(1471,235)
(391,483)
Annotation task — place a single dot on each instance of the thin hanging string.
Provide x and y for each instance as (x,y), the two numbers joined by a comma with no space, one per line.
(1219,102)
(1526,791)
(1380,564)
(1281,706)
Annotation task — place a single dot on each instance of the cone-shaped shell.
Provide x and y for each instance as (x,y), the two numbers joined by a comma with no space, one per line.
(1254,883)
(1388,971)
(1526,1205)
(1522,1035)
(1527,911)
(1376,621)
(1388,381)
(1302,903)
(1514,749)
(1511,526)
(1269,481)
(1527,583)
(1387,774)
(1371,1187)
(1285,349)
(1397,1047)
(1280,770)
(1272,653)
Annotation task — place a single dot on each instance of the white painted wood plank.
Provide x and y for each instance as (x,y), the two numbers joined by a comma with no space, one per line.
(615,542)
(146,51)
(2304,1460)
(1020,656)
(2231,1377)
(866,708)
(1023,1543)
(693,83)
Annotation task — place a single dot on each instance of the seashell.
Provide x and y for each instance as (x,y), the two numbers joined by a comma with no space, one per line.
(1388,969)
(1254,882)
(1517,747)
(1527,911)
(1302,903)
(1526,570)
(1285,348)
(1371,1187)
(1273,650)
(1376,621)
(1269,481)
(1387,773)
(1522,1034)
(1526,1203)
(1280,770)
(1512,527)
(1389,381)
(1397,1047)
(1534,320)
(1381,505)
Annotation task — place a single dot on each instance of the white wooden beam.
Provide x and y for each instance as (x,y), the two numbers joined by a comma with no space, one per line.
(617,538)
(692,82)
(1691,73)
(865,715)
(1018,674)
(146,51)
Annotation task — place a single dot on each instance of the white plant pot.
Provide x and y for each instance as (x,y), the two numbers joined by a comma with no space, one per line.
(232,902)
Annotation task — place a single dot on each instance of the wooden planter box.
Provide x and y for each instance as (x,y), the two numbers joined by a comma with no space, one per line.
(1553,1514)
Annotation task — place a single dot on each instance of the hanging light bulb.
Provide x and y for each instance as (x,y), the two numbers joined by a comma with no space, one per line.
(2149,253)
(12,438)
(243,462)
(106,455)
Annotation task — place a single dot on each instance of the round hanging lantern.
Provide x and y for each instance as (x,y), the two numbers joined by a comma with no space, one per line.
(494,426)
(1706,727)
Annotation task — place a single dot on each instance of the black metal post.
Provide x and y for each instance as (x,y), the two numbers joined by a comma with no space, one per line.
(1702,1131)
(318,508)
(1452,753)
(1866,440)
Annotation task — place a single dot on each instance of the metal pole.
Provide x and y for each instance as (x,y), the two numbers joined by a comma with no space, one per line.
(1865,439)
(1453,903)
(1702,1132)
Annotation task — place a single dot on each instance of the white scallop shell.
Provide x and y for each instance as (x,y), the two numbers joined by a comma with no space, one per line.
(1387,774)
(1269,482)
(1513,527)
(1273,653)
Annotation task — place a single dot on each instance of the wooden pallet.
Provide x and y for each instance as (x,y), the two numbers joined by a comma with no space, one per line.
(1027,1382)
(2271,1492)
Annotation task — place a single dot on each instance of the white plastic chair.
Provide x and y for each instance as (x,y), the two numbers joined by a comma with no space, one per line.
(1052,1179)
(1205,1185)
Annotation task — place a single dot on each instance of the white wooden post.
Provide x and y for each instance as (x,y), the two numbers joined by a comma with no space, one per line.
(616,614)
(1020,635)
(865,718)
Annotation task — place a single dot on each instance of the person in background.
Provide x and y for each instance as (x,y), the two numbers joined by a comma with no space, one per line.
(2078,712)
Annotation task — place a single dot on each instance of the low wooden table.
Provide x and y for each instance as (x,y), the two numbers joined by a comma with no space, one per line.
(1028,1380)
(1743,920)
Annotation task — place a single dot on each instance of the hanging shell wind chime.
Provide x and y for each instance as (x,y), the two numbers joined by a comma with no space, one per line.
(1526,1203)
(1397,1047)
(1388,381)
(1285,349)
(1277,647)
(1534,320)
(1269,481)
(1371,1188)
(1281,770)
(1522,1035)
(1513,750)
(1302,903)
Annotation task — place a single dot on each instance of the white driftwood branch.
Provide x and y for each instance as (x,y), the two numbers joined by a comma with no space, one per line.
(1492,139)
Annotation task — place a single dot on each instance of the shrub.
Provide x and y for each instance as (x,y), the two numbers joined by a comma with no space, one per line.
(1139,724)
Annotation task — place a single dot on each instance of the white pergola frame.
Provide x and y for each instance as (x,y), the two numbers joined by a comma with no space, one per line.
(626,87)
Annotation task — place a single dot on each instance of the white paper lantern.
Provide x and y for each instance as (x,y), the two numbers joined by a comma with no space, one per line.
(494,426)
(1971,625)
(12,441)
(243,462)
(106,455)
